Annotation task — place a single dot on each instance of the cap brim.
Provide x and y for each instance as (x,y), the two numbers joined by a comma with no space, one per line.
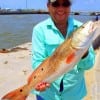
(56,0)
(52,0)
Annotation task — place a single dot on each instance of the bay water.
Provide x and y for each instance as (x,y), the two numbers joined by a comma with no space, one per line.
(17,29)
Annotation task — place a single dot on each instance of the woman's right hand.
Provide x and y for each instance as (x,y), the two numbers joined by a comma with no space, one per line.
(42,86)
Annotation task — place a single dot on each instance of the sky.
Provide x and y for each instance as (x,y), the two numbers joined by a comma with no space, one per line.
(77,5)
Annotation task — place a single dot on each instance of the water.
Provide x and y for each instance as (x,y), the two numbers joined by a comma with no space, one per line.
(17,29)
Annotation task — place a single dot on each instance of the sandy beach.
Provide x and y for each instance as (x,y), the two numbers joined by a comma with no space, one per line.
(93,80)
(15,67)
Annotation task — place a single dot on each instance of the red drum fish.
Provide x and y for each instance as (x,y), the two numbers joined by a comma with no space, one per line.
(61,61)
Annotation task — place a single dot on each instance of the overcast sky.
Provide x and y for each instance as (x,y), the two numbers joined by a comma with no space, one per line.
(78,5)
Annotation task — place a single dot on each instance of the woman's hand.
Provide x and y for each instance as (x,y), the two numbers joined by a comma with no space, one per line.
(42,86)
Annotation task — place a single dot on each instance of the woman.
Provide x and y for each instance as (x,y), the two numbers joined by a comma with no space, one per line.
(47,36)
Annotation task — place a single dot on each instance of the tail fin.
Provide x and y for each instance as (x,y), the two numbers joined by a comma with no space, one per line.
(18,94)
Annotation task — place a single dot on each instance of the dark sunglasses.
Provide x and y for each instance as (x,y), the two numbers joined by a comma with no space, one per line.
(65,4)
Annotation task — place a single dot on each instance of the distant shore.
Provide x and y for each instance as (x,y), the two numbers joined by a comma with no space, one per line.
(32,11)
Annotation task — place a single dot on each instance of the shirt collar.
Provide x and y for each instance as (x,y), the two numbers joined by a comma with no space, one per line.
(51,25)
(70,26)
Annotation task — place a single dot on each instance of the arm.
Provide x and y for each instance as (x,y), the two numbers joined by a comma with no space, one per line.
(38,54)
(87,60)
(38,47)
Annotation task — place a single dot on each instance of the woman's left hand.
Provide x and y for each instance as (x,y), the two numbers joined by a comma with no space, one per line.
(42,86)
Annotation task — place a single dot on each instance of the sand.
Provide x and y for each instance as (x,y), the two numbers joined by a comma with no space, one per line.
(92,77)
(15,67)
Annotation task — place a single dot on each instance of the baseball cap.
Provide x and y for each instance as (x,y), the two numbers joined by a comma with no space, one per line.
(54,3)
(55,0)
(52,0)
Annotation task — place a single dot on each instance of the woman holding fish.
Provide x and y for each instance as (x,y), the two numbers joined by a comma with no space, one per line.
(47,36)
(60,56)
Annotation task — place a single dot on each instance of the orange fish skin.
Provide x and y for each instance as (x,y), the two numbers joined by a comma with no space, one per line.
(17,94)
(61,61)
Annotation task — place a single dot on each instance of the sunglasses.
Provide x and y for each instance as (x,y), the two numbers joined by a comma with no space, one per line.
(65,4)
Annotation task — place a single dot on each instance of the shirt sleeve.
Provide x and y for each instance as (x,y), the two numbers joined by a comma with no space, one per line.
(38,47)
(87,62)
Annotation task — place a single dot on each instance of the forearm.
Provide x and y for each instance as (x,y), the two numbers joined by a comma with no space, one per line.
(87,60)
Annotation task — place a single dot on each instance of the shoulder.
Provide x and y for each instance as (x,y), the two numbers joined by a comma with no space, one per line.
(75,22)
(42,24)
(41,29)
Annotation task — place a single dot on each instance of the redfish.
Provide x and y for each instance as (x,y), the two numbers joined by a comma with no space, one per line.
(61,61)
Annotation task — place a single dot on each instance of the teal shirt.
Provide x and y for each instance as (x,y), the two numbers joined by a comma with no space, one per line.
(45,39)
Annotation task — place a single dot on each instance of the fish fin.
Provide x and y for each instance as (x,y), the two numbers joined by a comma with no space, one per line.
(18,94)
(70,58)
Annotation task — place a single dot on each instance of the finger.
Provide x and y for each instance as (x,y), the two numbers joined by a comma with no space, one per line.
(47,85)
(40,86)
(37,88)
(44,86)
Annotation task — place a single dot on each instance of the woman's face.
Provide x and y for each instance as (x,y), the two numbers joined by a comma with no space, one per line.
(59,10)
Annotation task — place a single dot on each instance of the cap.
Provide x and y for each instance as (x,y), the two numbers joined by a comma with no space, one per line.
(55,0)
(52,0)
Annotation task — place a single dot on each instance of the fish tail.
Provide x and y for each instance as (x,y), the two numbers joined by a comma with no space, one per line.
(17,94)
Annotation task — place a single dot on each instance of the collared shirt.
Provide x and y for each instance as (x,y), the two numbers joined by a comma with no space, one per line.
(45,39)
